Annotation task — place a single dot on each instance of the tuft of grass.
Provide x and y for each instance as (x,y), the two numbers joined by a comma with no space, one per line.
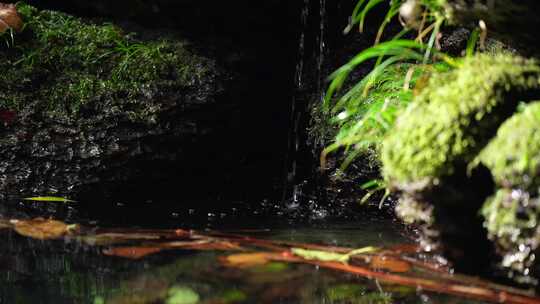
(366,111)
(66,63)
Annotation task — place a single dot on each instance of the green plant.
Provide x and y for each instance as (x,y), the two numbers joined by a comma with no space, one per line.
(367,110)
(67,64)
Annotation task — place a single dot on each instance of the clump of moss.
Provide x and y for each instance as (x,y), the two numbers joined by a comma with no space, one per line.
(60,63)
(513,156)
(511,215)
(453,118)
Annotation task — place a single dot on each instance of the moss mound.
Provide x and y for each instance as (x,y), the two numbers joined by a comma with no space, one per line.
(453,118)
(60,64)
(513,156)
(512,213)
(446,158)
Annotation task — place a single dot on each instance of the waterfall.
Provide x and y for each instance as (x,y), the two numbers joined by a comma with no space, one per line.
(312,36)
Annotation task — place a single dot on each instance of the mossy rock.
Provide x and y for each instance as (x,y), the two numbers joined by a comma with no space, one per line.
(66,64)
(429,155)
(513,156)
(85,103)
(512,213)
(511,218)
(455,116)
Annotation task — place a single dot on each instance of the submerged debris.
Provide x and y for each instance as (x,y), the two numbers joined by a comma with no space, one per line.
(398,265)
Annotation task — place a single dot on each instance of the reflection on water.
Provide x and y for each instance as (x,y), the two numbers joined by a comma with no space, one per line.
(62,271)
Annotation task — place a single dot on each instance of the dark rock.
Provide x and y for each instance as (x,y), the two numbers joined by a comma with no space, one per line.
(85,104)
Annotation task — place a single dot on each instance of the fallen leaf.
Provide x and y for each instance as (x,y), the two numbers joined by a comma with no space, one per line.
(10,18)
(328,256)
(131,252)
(319,255)
(245,260)
(52,199)
(42,229)
(102,239)
(389,263)
(204,245)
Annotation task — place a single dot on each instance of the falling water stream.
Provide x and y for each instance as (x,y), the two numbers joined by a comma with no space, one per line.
(299,111)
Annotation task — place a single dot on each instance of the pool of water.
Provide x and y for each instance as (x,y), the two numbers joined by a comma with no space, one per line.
(67,270)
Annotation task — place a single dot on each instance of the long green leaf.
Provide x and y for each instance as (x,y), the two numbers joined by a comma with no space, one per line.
(390,48)
(49,199)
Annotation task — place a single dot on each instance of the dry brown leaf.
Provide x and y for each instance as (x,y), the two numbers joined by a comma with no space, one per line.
(40,228)
(245,260)
(204,245)
(137,252)
(131,252)
(389,263)
(10,18)
(102,239)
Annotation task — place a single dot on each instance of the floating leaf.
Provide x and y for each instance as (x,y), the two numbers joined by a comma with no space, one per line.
(10,18)
(327,256)
(41,229)
(182,295)
(204,245)
(245,260)
(53,199)
(110,238)
(131,252)
(319,255)
(389,263)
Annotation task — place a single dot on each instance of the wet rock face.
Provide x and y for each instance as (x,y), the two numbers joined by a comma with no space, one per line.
(86,104)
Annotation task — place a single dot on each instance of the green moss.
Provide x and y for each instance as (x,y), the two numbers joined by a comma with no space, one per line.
(454,116)
(511,219)
(513,156)
(501,214)
(511,214)
(65,63)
